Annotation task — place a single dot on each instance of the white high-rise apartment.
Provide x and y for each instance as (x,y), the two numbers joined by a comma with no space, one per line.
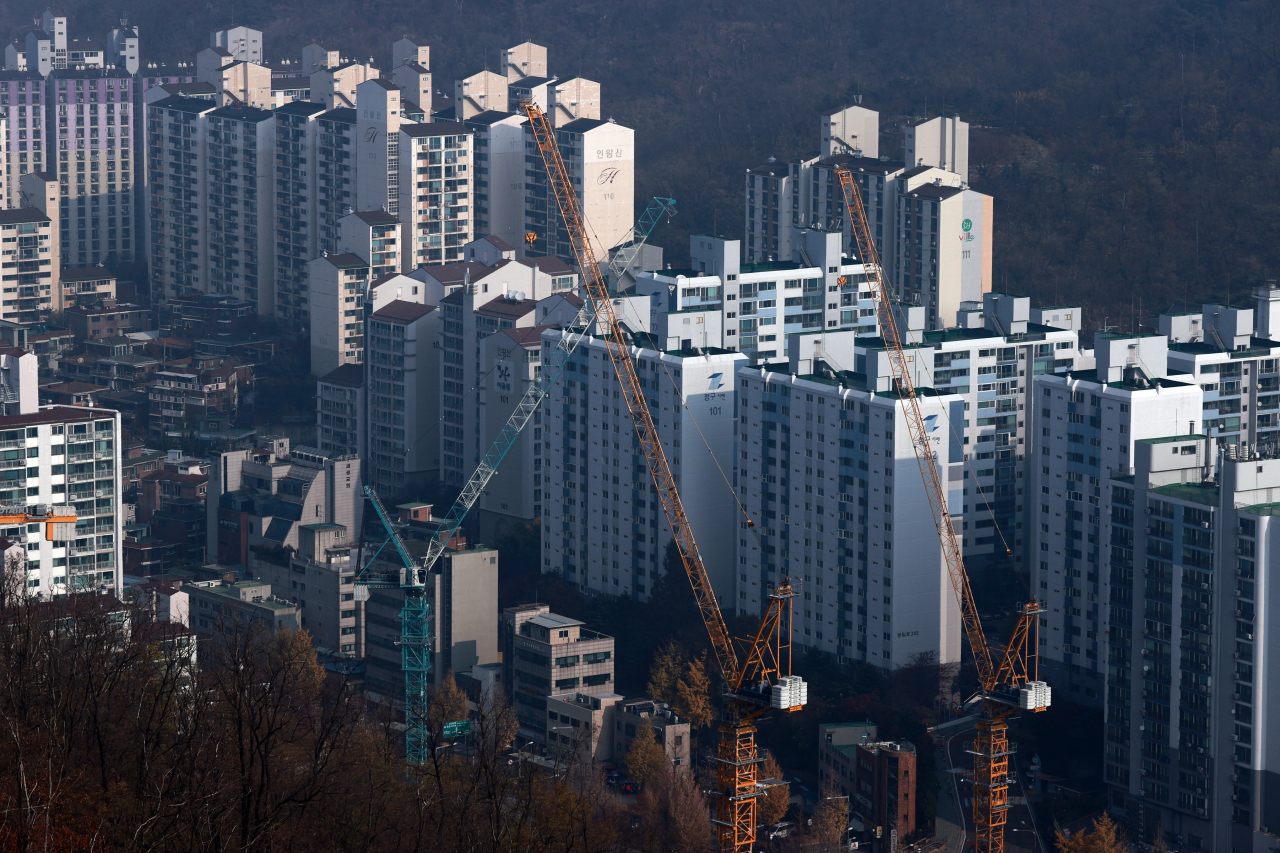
(337,285)
(29,250)
(96,162)
(827,470)
(941,142)
(240,182)
(603,524)
(23,100)
(401,370)
(600,158)
(244,44)
(375,236)
(336,168)
(72,457)
(297,201)
(379,116)
(498,195)
(341,418)
(178,203)
(1088,424)
(1190,542)
(762,305)
(435,192)
(943,248)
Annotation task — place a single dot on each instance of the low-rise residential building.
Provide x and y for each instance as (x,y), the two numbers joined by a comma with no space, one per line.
(260,498)
(104,318)
(87,285)
(320,580)
(160,490)
(551,654)
(669,729)
(226,604)
(181,397)
(462,592)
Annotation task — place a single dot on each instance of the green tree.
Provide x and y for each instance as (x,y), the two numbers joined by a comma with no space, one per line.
(646,762)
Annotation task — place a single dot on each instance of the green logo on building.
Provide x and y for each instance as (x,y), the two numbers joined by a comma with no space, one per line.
(966,225)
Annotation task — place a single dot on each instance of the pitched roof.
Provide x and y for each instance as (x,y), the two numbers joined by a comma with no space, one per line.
(400,311)
(548,264)
(435,128)
(22,214)
(499,243)
(530,336)
(345,260)
(351,375)
(376,217)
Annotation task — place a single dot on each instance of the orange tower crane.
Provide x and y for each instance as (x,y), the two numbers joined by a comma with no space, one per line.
(1014,684)
(757,680)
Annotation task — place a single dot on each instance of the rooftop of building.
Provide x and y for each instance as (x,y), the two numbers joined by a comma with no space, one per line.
(95,273)
(56,415)
(301,108)
(1173,439)
(583,125)
(528,336)
(400,311)
(939,192)
(21,215)
(1257,347)
(770,266)
(347,115)
(436,128)
(880,165)
(250,114)
(351,375)
(376,217)
(455,274)
(1122,385)
(345,260)
(1200,493)
(547,264)
(184,104)
(489,117)
(507,308)
(555,620)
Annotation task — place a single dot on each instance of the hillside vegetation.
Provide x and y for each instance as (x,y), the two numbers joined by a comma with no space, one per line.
(1132,147)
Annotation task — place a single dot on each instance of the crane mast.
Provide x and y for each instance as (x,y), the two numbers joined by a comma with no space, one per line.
(761,680)
(1013,684)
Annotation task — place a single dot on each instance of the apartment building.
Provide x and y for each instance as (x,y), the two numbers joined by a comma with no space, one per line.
(462,592)
(227,604)
(1186,753)
(943,249)
(86,286)
(28,263)
(297,203)
(178,204)
(1089,424)
(319,580)
(600,159)
(545,653)
(336,170)
(435,192)
(868,595)
(761,306)
(483,300)
(941,142)
(243,44)
(340,411)
(498,195)
(1232,361)
(605,529)
(403,393)
(180,398)
(25,125)
(261,498)
(96,164)
(240,181)
(336,286)
(71,457)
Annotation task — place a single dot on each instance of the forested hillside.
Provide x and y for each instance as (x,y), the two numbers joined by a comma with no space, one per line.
(1132,146)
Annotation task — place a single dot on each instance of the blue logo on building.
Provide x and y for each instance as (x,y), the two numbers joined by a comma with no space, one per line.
(717,382)
(931,423)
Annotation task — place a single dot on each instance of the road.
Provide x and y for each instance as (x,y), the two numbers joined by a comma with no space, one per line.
(1019,833)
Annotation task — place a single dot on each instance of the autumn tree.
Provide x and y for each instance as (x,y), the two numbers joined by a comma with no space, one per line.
(677,815)
(775,803)
(693,694)
(645,759)
(664,673)
(830,817)
(1105,837)
(449,704)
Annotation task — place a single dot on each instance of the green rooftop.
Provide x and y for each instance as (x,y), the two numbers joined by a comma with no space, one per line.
(1200,493)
